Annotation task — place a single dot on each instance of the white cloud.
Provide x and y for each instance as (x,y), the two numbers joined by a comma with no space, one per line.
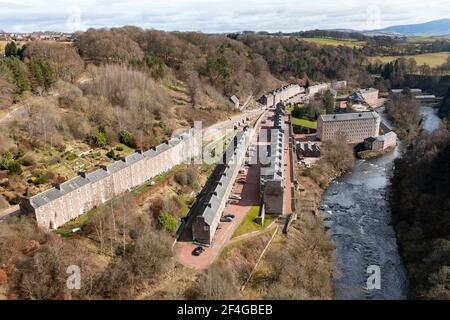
(216,15)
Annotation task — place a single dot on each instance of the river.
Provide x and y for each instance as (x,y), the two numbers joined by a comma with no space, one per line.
(357,212)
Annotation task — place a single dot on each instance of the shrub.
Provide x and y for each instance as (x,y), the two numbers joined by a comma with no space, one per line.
(126,138)
(15,168)
(111,154)
(99,138)
(168,222)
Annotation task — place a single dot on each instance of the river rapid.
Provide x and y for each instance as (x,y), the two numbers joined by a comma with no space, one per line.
(356,209)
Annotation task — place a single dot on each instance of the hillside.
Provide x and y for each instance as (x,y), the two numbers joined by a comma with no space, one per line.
(431,28)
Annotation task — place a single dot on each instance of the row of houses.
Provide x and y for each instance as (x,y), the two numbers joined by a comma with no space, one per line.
(307,150)
(207,220)
(67,201)
(272,170)
(294,93)
(283,94)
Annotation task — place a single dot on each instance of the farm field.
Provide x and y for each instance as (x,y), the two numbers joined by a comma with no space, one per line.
(422,39)
(335,42)
(432,59)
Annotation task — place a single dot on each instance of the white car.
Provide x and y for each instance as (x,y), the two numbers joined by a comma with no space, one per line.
(236,197)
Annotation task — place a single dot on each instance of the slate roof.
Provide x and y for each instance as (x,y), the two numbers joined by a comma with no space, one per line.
(54,193)
(349,116)
(97,175)
(213,200)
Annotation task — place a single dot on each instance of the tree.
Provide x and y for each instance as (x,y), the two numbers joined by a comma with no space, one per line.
(126,138)
(168,222)
(42,72)
(99,138)
(64,59)
(15,72)
(11,49)
(328,102)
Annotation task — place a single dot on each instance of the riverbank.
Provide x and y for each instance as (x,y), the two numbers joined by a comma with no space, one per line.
(369,154)
(421,209)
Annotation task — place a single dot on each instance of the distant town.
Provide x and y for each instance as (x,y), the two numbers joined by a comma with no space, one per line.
(32,36)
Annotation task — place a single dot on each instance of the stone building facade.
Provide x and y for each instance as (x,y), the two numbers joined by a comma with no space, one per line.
(67,201)
(368,97)
(381,143)
(317,88)
(205,223)
(272,170)
(283,94)
(355,126)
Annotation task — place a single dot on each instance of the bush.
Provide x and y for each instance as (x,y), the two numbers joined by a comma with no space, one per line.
(111,154)
(126,138)
(15,168)
(15,201)
(168,222)
(216,283)
(99,138)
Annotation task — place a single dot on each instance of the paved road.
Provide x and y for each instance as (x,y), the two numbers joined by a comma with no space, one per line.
(288,179)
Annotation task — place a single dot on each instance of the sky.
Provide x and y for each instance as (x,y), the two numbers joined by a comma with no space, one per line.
(214,16)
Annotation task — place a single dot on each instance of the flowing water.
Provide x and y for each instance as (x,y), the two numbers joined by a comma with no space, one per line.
(357,212)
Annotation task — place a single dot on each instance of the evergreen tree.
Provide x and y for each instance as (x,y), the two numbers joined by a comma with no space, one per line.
(11,49)
(328,102)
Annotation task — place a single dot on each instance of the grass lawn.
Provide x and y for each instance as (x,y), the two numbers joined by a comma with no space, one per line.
(335,42)
(432,59)
(187,202)
(241,242)
(248,224)
(142,188)
(80,222)
(304,123)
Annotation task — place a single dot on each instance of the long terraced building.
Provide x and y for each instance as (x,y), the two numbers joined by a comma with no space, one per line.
(67,201)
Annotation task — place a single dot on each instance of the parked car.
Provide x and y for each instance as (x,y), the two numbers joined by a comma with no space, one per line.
(226,219)
(242,181)
(232,216)
(236,197)
(198,251)
(242,171)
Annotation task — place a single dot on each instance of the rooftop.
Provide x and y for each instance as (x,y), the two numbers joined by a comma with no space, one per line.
(349,116)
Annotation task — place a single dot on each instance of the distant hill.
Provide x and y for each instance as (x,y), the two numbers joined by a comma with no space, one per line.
(432,28)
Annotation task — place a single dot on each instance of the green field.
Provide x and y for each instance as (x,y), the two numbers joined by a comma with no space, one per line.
(335,42)
(248,224)
(304,123)
(424,39)
(432,59)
